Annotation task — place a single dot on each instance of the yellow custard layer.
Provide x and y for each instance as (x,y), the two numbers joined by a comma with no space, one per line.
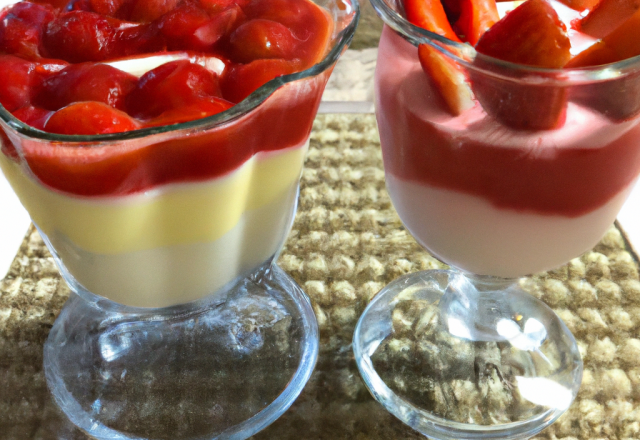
(173,214)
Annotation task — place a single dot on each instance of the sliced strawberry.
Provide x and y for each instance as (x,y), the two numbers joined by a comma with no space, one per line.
(448,78)
(429,15)
(90,118)
(171,86)
(241,80)
(34,116)
(476,16)
(191,112)
(21,28)
(622,43)
(531,35)
(607,16)
(85,82)
(259,38)
(578,5)
(618,98)
(80,36)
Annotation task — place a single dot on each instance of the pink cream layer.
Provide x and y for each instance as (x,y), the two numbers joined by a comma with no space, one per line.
(568,172)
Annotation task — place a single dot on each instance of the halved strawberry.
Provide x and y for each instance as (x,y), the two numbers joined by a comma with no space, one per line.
(197,110)
(34,116)
(447,76)
(241,80)
(90,118)
(21,28)
(259,38)
(533,35)
(476,16)
(607,16)
(429,15)
(172,85)
(79,36)
(85,82)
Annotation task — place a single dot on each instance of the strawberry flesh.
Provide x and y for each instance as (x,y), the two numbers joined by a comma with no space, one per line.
(533,35)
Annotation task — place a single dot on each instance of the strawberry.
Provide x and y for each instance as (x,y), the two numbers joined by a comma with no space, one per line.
(21,28)
(476,16)
(172,85)
(429,15)
(607,16)
(311,26)
(260,38)
(533,35)
(241,80)
(618,98)
(106,7)
(622,43)
(17,79)
(580,5)
(197,110)
(85,82)
(145,11)
(79,36)
(90,118)
(34,116)
(447,77)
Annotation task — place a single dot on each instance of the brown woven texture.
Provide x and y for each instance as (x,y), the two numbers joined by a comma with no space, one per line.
(347,243)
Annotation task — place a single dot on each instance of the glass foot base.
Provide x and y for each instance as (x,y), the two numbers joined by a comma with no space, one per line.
(459,357)
(226,367)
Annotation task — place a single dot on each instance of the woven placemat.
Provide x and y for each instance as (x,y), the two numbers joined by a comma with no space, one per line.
(347,243)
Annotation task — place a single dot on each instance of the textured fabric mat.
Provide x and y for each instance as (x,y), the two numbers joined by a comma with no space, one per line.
(346,244)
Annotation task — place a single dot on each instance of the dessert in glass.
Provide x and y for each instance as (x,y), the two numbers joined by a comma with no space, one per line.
(157,146)
(509,146)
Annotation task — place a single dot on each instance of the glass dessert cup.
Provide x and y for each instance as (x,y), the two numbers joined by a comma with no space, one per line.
(497,194)
(180,324)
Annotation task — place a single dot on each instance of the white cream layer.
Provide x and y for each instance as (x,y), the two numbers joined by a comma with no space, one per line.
(471,234)
(169,275)
(172,244)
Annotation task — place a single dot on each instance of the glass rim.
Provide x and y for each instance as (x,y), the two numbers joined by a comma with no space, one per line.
(257,97)
(465,54)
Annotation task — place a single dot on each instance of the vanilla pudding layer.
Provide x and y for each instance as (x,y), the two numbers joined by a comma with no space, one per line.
(472,234)
(172,244)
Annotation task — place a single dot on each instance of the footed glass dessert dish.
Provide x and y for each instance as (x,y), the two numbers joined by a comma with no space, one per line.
(162,169)
(499,169)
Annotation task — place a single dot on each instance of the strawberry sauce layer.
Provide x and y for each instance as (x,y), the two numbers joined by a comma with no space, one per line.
(141,164)
(568,171)
(59,58)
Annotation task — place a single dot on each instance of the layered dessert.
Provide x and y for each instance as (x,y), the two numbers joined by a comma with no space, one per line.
(498,168)
(156,214)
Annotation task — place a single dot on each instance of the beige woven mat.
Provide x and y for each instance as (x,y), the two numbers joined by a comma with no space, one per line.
(347,243)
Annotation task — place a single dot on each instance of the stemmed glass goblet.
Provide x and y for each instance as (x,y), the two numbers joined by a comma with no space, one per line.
(180,324)
(497,194)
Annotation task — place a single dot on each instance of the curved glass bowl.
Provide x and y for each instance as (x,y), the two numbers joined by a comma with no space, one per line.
(180,324)
(527,169)
(166,215)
